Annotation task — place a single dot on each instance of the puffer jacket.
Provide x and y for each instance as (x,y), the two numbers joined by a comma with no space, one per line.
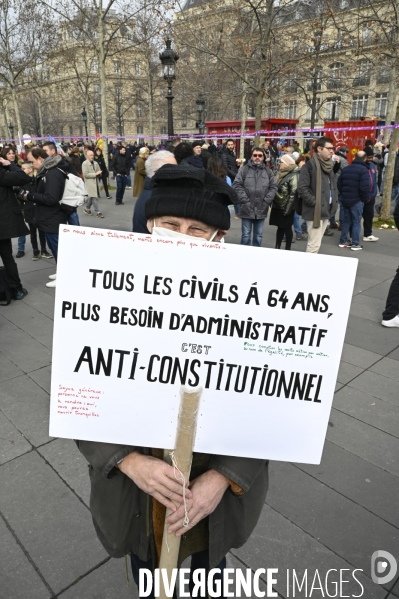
(122,512)
(255,187)
(285,196)
(354,183)
(229,163)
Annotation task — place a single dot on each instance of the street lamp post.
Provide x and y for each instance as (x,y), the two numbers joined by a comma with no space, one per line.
(200,102)
(11,129)
(168,59)
(84,118)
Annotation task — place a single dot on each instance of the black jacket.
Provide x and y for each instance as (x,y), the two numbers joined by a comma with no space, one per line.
(396,171)
(28,208)
(50,187)
(229,163)
(11,220)
(354,184)
(101,162)
(139,219)
(193,161)
(120,164)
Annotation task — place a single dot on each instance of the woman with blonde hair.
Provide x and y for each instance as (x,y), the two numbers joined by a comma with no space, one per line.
(283,207)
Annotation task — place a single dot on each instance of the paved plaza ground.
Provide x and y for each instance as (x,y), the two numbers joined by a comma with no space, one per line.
(332,516)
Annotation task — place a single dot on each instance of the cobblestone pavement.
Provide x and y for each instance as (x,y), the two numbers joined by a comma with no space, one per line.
(332,516)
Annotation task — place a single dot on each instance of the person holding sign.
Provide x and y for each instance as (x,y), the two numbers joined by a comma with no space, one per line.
(131,486)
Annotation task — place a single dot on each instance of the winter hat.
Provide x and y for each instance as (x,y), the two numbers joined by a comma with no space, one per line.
(204,146)
(378,145)
(369,151)
(196,143)
(287,159)
(189,192)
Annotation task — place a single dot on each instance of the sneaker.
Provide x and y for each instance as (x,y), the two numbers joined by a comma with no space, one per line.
(109,197)
(18,295)
(328,232)
(371,238)
(88,212)
(45,254)
(36,255)
(298,237)
(347,244)
(127,187)
(53,277)
(19,254)
(51,284)
(394,322)
(100,215)
(356,247)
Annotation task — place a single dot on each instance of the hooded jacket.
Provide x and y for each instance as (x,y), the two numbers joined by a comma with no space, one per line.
(255,187)
(50,188)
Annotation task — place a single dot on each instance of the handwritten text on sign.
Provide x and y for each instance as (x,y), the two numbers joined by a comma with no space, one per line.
(136,317)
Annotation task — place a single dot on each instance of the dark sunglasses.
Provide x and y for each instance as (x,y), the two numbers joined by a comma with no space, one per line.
(257,155)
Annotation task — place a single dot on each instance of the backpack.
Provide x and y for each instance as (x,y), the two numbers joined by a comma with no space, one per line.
(5,291)
(75,192)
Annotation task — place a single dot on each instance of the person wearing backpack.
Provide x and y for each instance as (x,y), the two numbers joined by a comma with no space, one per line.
(11,225)
(52,173)
(255,187)
(51,150)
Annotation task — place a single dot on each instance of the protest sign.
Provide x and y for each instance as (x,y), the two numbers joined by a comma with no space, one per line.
(260,330)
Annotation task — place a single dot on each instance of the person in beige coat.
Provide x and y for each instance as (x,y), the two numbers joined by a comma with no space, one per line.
(91,171)
(140,174)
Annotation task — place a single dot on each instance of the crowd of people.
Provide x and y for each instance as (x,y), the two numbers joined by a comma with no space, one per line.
(183,191)
(311,185)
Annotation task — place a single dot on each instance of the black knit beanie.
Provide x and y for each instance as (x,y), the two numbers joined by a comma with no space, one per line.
(197,142)
(188,192)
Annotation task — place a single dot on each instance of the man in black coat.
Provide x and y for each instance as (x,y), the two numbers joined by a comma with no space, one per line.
(51,175)
(11,222)
(229,160)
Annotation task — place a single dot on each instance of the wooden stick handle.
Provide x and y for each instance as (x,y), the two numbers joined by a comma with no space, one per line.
(183,453)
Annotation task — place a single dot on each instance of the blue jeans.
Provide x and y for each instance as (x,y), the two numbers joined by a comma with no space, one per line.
(246,229)
(120,188)
(129,180)
(198,560)
(52,242)
(21,243)
(73,219)
(352,217)
(297,224)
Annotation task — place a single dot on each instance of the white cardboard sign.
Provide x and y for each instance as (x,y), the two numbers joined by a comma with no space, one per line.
(136,317)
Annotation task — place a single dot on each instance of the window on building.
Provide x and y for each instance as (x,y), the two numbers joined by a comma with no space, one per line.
(139,111)
(97,108)
(273,110)
(333,108)
(216,115)
(362,73)
(237,114)
(366,36)
(308,116)
(96,90)
(251,112)
(291,85)
(359,106)
(140,130)
(290,109)
(137,68)
(184,119)
(384,73)
(94,66)
(116,66)
(163,130)
(381,103)
(335,75)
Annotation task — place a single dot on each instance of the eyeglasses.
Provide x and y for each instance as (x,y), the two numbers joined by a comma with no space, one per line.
(257,155)
(331,148)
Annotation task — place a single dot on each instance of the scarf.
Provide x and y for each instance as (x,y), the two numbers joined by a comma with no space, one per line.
(326,166)
(49,162)
(284,171)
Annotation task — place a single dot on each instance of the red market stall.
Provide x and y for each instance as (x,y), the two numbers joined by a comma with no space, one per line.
(343,135)
(224,129)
